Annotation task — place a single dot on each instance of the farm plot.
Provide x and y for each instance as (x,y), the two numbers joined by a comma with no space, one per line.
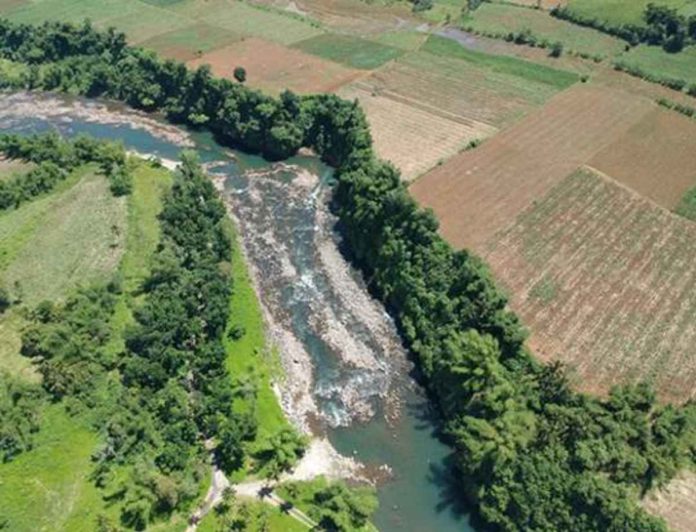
(675,503)
(656,157)
(499,20)
(604,280)
(351,51)
(458,88)
(624,11)
(479,192)
(273,67)
(248,19)
(190,42)
(413,139)
(55,243)
(654,62)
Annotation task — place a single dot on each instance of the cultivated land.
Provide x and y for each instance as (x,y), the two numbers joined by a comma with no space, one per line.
(605,281)
(350,51)
(676,503)
(411,137)
(656,157)
(655,61)
(477,193)
(499,20)
(625,11)
(274,68)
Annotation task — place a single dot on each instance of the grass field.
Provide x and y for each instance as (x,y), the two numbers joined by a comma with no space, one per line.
(191,41)
(262,517)
(142,21)
(655,61)
(498,20)
(501,64)
(250,358)
(48,488)
(622,296)
(625,11)
(79,239)
(351,51)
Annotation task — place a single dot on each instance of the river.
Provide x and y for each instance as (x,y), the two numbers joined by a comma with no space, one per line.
(347,375)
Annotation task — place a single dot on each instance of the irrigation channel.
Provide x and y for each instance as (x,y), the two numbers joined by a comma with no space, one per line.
(346,373)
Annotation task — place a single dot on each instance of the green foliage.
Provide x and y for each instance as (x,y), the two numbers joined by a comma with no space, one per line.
(333,505)
(687,205)
(350,51)
(56,158)
(240,74)
(5,299)
(535,454)
(20,411)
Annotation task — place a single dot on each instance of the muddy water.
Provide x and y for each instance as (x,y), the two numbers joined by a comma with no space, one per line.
(346,374)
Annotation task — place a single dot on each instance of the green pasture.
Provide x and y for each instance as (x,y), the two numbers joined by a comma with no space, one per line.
(78,240)
(618,12)
(533,72)
(405,40)
(498,20)
(653,60)
(194,39)
(350,51)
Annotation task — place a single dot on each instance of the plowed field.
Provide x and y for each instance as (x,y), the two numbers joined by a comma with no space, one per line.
(411,137)
(479,192)
(605,281)
(273,67)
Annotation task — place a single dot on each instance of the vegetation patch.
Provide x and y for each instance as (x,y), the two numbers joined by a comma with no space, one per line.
(677,71)
(538,28)
(192,41)
(350,51)
(559,79)
(687,205)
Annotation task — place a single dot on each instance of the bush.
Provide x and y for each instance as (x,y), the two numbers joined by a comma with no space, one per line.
(556,49)
(5,299)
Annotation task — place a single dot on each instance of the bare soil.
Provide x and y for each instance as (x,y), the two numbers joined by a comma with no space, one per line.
(479,192)
(675,503)
(604,279)
(274,68)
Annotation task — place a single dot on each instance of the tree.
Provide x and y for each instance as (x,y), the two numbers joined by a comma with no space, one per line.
(556,49)
(240,74)
(5,299)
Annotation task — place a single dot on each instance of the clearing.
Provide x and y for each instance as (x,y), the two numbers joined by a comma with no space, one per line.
(479,192)
(192,41)
(675,503)
(604,280)
(274,68)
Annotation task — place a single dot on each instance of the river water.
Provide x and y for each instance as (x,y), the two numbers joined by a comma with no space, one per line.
(346,372)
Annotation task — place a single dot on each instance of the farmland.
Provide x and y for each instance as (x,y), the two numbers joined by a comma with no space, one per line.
(613,298)
(350,51)
(411,137)
(500,20)
(624,11)
(479,192)
(274,68)
(654,61)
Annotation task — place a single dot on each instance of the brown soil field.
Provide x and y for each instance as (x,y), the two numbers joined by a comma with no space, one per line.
(273,67)
(458,88)
(656,157)
(353,16)
(604,280)
(412,138)
(479,192)
(675,504)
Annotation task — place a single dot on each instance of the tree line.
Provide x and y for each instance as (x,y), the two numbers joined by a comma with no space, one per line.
(55,158)
(533,453)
